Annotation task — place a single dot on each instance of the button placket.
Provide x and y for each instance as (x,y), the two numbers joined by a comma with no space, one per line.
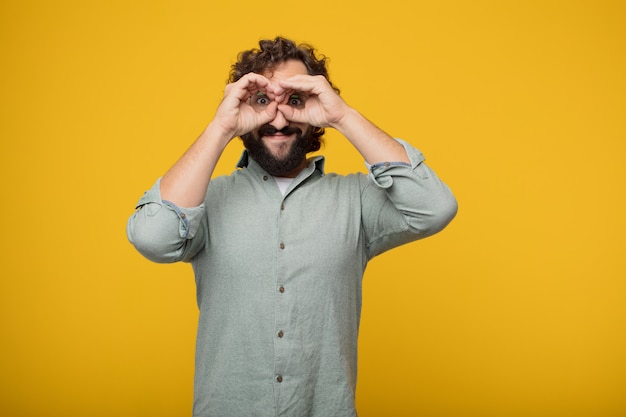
(281,344)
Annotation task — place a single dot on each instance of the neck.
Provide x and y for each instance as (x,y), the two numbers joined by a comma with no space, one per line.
(294,173)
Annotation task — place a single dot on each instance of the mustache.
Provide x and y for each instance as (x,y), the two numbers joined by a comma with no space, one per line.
(269,130)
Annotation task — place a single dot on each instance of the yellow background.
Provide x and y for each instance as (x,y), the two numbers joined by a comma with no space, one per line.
(517,309)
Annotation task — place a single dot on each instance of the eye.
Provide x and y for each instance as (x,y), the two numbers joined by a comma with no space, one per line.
(295,100)
(262,100)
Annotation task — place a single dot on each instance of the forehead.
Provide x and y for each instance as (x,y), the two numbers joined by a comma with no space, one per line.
(286,70)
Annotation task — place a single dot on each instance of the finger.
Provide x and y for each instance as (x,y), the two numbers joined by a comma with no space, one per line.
(254,78)
(269,113)
(305,83)
(266,113)
(273,91)
(292,114)
(278,93)
(250,118)
(246,86)
(262,117)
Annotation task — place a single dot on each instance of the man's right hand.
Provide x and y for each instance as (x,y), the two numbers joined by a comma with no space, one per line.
(236,115)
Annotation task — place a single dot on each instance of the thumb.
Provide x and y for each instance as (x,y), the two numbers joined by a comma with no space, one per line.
(269,113)
(291,113)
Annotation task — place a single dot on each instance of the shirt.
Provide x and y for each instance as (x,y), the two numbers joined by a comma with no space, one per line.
(279,277)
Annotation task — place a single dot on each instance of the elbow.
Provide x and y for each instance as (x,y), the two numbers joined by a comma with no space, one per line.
(445,213)
(151,242)
(149,247)
(436,218)
(443,210)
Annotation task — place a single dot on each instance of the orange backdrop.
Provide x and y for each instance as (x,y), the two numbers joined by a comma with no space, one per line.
(517,309)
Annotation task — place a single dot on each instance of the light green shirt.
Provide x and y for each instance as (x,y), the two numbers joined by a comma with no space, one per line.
(279,277)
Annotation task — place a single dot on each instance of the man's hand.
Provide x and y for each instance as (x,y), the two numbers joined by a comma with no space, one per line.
(185,184)
(321,106)
(236,115)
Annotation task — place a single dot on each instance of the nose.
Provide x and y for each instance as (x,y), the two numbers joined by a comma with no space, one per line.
(279,121)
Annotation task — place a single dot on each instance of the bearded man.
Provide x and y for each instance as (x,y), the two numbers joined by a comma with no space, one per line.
(279,247)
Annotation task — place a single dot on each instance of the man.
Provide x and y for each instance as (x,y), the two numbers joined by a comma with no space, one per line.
(279,247)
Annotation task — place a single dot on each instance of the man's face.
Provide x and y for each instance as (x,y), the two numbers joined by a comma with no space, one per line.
(280,146)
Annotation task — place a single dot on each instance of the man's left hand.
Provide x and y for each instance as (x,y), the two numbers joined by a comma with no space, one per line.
(322,106)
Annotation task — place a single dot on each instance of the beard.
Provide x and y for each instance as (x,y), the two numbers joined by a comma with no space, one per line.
(274,165)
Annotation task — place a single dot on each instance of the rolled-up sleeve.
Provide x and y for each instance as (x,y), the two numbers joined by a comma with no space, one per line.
(164,232)
(415,202)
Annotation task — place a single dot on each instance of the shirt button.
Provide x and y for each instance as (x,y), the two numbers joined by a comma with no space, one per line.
(264,177)
(282,206)
(281,334)
(282,245)
(183,215)
(279,378)
(281,289)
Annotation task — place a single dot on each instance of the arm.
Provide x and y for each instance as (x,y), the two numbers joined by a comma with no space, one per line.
(164,232)
(323,107)
(185,184)
(167,225)
(403,202)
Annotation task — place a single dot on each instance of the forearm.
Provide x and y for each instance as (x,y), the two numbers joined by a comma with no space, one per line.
(373,143)
(186,182)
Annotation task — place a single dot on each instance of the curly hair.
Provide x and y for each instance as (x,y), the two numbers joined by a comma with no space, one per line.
(273,53)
